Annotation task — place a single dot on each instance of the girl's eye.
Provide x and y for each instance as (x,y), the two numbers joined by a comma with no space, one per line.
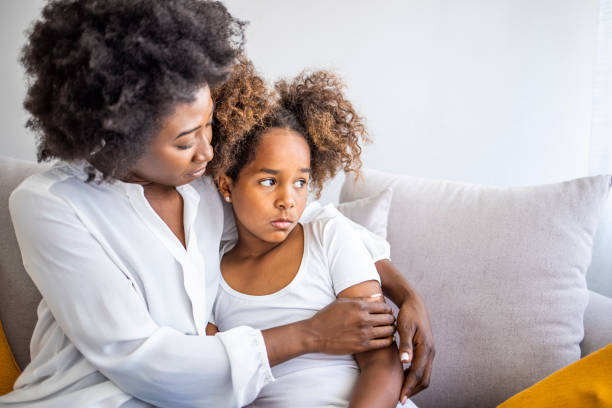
(300,183)
(267,182)
(184,147)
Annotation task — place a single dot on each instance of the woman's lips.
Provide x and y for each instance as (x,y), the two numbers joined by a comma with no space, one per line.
(198,173)
(281,224)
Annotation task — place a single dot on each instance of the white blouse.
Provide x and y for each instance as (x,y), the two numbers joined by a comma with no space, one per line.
(125,305)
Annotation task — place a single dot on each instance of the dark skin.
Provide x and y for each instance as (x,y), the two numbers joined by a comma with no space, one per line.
(179,154)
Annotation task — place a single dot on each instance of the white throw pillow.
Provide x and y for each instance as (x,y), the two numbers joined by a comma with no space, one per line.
(371,212)
(502,271)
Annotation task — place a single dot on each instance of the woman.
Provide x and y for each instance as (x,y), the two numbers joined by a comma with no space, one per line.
(121,237)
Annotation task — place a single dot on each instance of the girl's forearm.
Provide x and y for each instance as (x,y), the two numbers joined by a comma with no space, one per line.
(380,381)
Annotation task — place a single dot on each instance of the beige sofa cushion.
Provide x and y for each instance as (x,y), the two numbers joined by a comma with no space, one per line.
(502,271)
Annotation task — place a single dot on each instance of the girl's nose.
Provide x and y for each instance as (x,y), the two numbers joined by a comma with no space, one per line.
(285,200)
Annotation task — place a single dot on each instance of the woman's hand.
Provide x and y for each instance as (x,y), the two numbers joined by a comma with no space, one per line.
(416,340)
(345,326)
(413,326)
(351,326)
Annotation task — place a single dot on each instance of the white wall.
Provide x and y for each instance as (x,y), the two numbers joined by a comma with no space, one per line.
(15,18)
(486,91)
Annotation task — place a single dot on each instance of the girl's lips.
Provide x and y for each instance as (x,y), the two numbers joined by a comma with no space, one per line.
(281,224)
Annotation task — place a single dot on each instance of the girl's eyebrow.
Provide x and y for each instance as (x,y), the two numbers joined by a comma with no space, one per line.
(270,171)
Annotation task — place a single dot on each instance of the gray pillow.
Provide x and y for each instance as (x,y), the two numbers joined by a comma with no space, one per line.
(502,271)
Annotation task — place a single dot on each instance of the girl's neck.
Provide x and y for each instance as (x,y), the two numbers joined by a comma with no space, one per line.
(251,247)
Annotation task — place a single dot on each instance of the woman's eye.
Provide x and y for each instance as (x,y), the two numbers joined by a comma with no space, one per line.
(267,182)
(184,147)
(300,183)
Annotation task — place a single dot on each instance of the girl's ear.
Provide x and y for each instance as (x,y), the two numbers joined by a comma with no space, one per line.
(225,187)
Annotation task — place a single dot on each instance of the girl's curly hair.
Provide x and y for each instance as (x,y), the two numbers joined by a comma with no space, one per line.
(312,104)
(103,74)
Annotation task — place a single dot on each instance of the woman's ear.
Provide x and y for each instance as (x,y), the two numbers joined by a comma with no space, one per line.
(225,187)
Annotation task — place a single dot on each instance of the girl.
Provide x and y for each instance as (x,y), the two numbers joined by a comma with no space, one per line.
(281,270)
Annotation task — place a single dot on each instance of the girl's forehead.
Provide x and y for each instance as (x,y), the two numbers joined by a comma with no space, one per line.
(282,147)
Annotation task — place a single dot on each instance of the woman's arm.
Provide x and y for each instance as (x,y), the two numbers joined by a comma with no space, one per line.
(381,375)
(106,317)
(413,326)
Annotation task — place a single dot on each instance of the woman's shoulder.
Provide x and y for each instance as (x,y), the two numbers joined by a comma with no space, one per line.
(39,184)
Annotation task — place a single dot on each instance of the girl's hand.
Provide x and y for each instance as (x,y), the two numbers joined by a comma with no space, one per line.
(351,326)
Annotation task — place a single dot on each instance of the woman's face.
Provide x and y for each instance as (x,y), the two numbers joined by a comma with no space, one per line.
(270,193)
(180,151)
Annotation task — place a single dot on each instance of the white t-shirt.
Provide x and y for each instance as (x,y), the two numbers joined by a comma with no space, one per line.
(334,259)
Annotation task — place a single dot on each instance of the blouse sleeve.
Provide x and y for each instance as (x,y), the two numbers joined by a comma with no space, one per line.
(106,317)
(377,246)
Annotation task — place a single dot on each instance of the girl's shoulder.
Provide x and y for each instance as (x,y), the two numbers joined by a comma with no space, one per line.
(327,229)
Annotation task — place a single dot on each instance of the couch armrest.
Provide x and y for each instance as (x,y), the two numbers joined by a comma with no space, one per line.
(597,323)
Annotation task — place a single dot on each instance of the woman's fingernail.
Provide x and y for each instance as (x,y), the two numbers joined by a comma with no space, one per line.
(405,357)
(404,398)
(376,295)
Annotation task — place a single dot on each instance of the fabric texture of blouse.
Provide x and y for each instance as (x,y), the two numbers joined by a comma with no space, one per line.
(125,305)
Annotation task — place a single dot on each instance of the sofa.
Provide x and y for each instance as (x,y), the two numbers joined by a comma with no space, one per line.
(502,271)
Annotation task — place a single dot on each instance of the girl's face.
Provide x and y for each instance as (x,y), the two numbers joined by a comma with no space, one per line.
(270,192)
(180,151)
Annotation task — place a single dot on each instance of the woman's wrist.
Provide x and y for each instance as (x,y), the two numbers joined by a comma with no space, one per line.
(309,335)
(289,341)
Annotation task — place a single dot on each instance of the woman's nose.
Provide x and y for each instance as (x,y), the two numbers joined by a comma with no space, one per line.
(204,152)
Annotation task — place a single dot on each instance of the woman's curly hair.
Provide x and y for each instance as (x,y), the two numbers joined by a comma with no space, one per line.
(103,74)
(312,104)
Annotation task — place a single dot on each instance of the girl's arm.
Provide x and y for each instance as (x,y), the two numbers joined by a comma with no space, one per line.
(382,374)
(413,325)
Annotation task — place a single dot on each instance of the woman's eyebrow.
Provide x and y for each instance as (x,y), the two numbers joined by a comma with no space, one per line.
(187,132)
